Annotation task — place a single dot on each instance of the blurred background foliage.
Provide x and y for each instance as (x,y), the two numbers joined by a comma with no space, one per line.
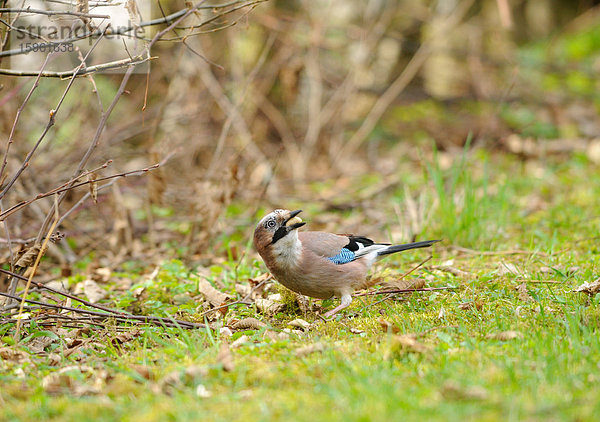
(325,105)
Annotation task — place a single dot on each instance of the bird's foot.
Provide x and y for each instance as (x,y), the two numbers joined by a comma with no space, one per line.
(346,300)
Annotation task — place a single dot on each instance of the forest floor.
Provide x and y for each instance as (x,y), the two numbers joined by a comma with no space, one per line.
(509,338)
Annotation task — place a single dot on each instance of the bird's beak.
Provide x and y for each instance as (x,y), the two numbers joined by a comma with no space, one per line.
(294,222)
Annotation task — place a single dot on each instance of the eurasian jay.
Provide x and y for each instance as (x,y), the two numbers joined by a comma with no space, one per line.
(319,264)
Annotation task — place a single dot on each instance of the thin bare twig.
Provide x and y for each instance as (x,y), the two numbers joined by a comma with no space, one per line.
(160,321)
(81,70)
(10,141)
(52,12)
(33,270)
(51,121)
(65,294)
(68,186)
(397,291)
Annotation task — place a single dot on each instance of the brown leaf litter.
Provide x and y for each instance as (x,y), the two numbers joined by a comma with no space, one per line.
(309,349)
(452,390)
(590,288)
(248,324)
(505,335)
(404,344)
(225,357)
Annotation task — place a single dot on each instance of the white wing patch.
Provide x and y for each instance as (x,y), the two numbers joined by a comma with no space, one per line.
(362,250)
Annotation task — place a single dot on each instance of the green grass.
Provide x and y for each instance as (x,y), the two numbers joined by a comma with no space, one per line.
(549,371)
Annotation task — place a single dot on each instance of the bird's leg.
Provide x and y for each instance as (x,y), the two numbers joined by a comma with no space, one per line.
(346,301)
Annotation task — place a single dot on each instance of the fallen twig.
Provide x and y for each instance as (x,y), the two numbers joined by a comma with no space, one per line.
(66,294)
(449,269)
(154,320)
(397,291)
(68,186)
(38,258)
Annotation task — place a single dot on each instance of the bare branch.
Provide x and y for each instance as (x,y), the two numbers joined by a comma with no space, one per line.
(154,320)
(52,12)
(80,71)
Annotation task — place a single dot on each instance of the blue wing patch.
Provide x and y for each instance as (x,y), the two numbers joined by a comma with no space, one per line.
(345,256)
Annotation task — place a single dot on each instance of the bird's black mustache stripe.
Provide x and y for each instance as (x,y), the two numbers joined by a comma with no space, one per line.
(284,230)
(280,233)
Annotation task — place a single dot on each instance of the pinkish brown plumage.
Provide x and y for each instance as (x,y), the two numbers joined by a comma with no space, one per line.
(318,264)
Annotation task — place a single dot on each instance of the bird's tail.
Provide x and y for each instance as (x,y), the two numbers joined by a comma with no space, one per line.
(399,248)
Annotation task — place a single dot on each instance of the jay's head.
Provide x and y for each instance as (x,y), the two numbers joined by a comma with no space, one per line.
(276,226)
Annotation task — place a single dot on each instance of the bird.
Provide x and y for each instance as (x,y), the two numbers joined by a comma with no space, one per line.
(319,264)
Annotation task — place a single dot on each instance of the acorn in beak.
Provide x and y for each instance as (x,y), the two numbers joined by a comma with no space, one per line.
(293,222)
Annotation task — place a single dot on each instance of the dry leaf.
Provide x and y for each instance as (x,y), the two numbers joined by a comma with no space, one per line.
(240,341)
(93,291)
(144,371)
(593,151)
(303,303)
(275,336)
(54,359)
(407,343)
(311,348)
(299,323)
(30,255)
(268,307)
(124,337)
(194,373)
(242,289)
(260,279)
(13,355)
(60,285)
(288,331)
(170,381)
(61,382)
(133,11)
(215,297)
(589,288)
(93,185)
(103,274)
(56,383)
(417,283)
(402,344)
(505,335)
(225,358)
(388,327)
(248,324)
(451,390)
(225,331)
(442,313)
(202,391)
(38,344)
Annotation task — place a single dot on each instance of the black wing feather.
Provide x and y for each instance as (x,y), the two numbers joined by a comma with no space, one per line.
(354,242)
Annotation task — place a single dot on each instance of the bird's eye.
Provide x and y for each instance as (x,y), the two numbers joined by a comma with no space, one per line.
(270,224)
